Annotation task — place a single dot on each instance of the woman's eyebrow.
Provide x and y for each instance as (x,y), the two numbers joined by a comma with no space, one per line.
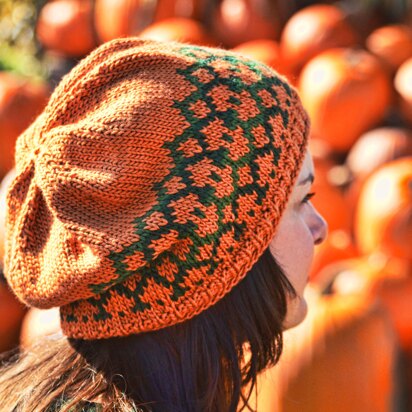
(309,178)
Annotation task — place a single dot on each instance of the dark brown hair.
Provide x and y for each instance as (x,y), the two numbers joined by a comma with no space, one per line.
(208,363)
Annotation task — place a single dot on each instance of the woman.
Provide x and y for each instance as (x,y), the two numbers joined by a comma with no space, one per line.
(156,200)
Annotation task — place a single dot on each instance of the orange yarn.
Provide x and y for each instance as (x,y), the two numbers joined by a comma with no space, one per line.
(150,185)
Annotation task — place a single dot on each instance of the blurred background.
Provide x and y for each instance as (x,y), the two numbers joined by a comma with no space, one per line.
(352,64)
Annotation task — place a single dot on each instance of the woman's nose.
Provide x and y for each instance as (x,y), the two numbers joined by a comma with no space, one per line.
(319,228)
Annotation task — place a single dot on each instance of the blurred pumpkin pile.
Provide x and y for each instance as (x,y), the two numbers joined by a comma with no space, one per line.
(352,64)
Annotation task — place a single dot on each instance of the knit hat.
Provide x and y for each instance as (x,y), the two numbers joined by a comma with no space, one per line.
(149,186)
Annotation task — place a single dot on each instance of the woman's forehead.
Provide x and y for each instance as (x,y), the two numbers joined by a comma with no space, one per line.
(307,167)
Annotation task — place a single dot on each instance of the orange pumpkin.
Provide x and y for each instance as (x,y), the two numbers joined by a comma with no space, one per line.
(21,101)
(377,276)
(390,281)
(376,147)
(341,358)
(312,30)
(383,219)
(237,21)
(392,44)
(177,29)
(192,9)
(265,50)
(122,18)
(373,149)
(66,26)
(403,85)
(336,88)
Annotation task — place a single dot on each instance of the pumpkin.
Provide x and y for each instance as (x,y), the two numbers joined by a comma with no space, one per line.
(373,149)
(122,18)
(37,324)
(177,29)
(192,9)
(392,44)
(336,88)
(21,100)
(378,276)
(376,147)
(337,246)
(312,30)
(382,278)
(383,217)
(237,21)
(396,296)
(403,85)
(341,358)
(265,50)
(66,26)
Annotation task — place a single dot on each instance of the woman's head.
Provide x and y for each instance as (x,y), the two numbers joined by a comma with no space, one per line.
(152,199)
(300,229)
(153,181)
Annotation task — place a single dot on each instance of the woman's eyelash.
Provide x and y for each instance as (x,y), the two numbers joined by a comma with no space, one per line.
(308,197)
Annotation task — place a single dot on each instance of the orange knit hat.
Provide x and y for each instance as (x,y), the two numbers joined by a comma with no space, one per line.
(150,185)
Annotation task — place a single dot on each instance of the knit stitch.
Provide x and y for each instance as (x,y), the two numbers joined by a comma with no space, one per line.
(150,185)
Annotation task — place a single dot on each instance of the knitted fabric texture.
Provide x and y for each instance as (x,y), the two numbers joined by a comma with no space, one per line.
(152,182)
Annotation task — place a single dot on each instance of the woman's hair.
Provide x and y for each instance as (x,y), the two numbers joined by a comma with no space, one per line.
(208,363)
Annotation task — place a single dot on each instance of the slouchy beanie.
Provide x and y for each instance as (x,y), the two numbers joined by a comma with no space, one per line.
(150,185)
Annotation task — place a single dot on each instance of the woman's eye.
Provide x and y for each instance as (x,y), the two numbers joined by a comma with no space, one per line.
(308,197)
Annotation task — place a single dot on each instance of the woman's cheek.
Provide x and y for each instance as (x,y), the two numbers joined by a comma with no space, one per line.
(293,249)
